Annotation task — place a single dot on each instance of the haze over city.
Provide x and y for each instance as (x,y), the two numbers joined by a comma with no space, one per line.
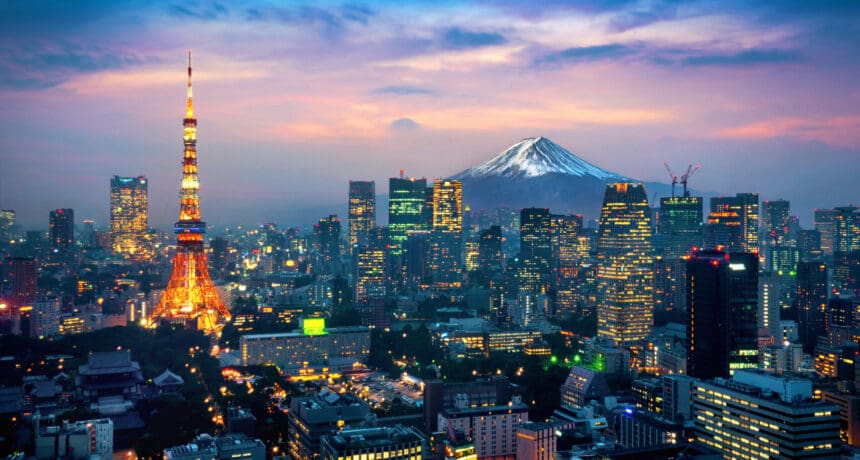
(295,100)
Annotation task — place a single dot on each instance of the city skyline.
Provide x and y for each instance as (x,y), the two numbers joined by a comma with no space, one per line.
(295,101)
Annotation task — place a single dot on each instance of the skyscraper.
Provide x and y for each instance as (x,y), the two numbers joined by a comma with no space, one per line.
(777,215)
(190,296)
(362,212)
(846,229)
(490,250)
(7,221)
(680,225)
(722,310)
(811,302)
(746,206)
(448,205)
(625,273)
(327,242)
(846,248)
(724,229)
(535,250)
(406,201)
(824,224)
(62,234)
(128,215)
(447,235)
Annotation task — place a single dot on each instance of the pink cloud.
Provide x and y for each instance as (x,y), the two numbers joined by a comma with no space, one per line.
(843,131)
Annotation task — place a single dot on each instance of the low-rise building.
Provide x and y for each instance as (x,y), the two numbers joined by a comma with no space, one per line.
(394,443)
(86,439)
(758,413)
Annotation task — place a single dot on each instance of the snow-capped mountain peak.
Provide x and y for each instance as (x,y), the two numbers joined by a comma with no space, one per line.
(534,157)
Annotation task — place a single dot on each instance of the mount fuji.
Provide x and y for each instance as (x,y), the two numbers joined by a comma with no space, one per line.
(537,172)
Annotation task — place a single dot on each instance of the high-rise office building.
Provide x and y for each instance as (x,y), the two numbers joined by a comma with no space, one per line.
(62,234)
(680,225)
(535,250)
(128,215)
(18,277)
(407,199)
(88,234)
(448,205)
(722,310)
(371,279)
(824,224)
(490,250)
(566,257)
(625,274)
(7,222)
(362,212)
(446,239)
(746,206)
(770,304)
(327,242)
(846,248)
(811,302)
(776,218)
(724,229)
(809,245)
(846,229)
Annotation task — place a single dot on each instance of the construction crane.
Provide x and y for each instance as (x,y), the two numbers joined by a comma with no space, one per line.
(684,178)
(673,176)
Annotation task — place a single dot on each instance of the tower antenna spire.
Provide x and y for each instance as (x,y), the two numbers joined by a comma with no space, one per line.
(189,107)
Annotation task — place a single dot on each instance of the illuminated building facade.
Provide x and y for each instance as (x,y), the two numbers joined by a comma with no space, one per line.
(18,280)
(315,416)
(490,250)
(62,234)
(722,310)
(446,238)
(492,428)
(92,439)
(393,443)
(724,229)
(337,348)
(535,250)
(680,224)
(190,296)
(625,276)
(811,301)
(761,415)
(746,207)
(371,279)
(537,440)
(824,224)
(362,212)
(7,222)
(776,217)
(407,199)
(327,242)
(128,215)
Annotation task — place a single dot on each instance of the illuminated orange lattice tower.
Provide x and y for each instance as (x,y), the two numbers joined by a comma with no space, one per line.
(190,296)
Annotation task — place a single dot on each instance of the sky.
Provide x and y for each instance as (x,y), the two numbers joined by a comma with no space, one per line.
(294,99)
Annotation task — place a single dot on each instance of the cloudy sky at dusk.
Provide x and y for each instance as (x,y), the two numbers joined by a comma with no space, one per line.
(293,99)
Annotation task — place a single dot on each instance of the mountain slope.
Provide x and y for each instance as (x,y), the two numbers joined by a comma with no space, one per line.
(537,172)
(534,157)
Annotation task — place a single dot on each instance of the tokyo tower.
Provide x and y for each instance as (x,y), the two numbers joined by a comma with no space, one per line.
(190,296)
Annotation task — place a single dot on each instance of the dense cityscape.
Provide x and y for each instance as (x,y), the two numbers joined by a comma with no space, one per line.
(533,306)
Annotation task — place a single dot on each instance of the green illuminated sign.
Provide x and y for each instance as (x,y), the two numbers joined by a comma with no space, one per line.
(313,326)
